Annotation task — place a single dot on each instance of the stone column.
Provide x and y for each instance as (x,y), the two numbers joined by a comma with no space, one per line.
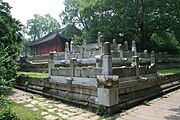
(126,45)
(71,46)
(84,45)
(107,59)
(115,45)
(98,61)
(135,63)
(81,52)
(134,48)
(73,64)
(120,51)
(66,50)
(99,38)
(153,59)
(51,63)
(145,54)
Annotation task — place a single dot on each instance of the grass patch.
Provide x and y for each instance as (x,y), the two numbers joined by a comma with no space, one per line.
(34,74)
(169,71)
(10,110)
(24,113)
(39,63)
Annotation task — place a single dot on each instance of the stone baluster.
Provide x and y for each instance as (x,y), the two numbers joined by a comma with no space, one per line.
(126,45)
(51,63)
(71,46)
(153,59)
(98,61)
(134,48)
(135,63)
(73,64)
(84,45)
(145,54)
(107,59)
(120,51)
(81,52)
(115,45)
(66,50)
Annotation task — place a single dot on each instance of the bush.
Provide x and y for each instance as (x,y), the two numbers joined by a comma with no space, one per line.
(5,111)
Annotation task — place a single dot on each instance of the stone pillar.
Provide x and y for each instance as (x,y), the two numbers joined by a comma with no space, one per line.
(126,45)
(99,38)
(84,45)
(120,51)
(66,50)
(153,59)
(114,45)
(134,48)
(98,61)
(107,59)
(108,90)
(153,66)
(71,46)
(145,54)
(51,63)
(81,52)
(135,63)
(73,64)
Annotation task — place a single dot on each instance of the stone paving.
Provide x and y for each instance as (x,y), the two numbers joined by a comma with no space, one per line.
(166,107)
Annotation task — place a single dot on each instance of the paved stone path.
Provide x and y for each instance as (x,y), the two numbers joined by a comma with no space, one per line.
(166,107)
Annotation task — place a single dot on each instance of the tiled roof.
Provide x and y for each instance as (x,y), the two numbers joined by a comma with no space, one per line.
(48,37)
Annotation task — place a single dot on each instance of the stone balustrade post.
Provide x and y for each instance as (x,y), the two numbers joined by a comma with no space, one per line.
(120,51)
(71,46)
(126,45)
(98,60)
(73,64)
(134,48)
(153,59)
(81,53)
(66,50)
(51,63)
(135,63)
(145,54)
(115,45)
(107,59)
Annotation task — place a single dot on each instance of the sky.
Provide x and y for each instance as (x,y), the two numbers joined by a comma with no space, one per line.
(25,9)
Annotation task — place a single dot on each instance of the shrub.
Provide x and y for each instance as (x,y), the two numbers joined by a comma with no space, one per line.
(5,111)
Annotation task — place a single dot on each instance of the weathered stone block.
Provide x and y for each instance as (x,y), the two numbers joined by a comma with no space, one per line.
(107,97)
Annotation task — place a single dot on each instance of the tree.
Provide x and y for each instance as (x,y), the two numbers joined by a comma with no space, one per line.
(41,25)
(10,39)
(134,19)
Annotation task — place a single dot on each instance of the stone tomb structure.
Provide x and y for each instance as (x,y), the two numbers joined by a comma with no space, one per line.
(106,79)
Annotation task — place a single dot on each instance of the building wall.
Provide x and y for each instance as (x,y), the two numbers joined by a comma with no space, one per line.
(47,47)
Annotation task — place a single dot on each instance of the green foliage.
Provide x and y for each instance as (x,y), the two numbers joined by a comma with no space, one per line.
(39,26)
(10,39)
(136,20)
(5,110)
(169,71)
(24,113)
(165,41)
(102,110)
(34,74)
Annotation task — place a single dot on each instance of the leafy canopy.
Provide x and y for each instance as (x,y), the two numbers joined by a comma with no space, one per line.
(39,26)
(10,39)
(124,20)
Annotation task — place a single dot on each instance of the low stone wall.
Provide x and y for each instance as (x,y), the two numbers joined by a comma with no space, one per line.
(81,90)
(34,67)
(111,93)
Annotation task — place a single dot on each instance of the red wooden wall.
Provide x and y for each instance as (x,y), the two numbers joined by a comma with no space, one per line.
(50,46)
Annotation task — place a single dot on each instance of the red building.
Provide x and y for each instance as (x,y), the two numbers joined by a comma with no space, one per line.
(54,41)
